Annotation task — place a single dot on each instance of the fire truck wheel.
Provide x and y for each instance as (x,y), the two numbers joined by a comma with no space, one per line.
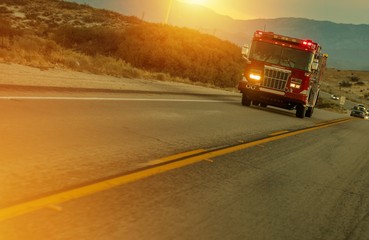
(264,105)
(255,103)
(309,112)
(300,111)
(245,100)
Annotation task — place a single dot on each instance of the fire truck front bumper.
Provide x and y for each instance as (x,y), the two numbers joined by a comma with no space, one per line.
(287,100)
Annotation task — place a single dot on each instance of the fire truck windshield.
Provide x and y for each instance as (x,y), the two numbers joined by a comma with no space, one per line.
(284,56)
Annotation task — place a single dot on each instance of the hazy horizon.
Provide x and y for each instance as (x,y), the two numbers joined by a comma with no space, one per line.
(349,12)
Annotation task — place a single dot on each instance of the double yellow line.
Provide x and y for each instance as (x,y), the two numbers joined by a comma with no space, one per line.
(152,168)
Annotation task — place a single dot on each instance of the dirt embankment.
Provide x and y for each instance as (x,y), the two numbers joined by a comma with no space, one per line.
(24,78)
(19,75)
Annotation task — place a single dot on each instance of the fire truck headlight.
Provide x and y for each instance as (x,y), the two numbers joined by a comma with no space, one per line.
(254,76)
(295,83)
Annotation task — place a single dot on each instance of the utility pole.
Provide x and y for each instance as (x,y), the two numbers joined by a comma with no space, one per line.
(168,11)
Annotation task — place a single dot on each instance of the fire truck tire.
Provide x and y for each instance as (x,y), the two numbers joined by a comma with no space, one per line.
(309,112)
(255,103)
(264,105)
(300,111)
(245,100)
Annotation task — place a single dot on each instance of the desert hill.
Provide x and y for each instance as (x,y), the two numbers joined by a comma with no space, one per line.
(347,44)
(49,33)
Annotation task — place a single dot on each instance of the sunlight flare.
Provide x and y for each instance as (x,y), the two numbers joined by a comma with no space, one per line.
(198,2)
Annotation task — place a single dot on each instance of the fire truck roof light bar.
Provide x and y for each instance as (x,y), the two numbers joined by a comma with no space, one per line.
(270,35)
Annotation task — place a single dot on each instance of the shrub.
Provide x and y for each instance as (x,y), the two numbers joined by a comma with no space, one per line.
(4,10)
(162,76)
(353,78)
(182,52)
(7,31)
(15,2)
(171,50)
(91,41)
(70,5)
(345,84)
(322,104)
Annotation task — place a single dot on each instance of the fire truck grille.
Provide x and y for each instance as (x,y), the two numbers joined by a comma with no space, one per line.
(275,78)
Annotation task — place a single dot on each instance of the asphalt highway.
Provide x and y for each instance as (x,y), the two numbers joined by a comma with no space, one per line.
(130,165)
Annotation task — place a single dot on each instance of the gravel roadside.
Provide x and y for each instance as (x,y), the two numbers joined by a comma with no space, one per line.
(15,77)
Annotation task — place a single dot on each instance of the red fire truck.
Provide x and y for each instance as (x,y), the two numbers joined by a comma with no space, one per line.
(283,72)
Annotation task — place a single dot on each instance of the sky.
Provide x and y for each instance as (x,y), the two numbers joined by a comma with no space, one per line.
(338,11)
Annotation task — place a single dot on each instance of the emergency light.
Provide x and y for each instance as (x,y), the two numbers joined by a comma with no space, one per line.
(279,39)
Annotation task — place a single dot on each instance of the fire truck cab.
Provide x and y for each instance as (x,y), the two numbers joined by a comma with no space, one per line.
(283,72)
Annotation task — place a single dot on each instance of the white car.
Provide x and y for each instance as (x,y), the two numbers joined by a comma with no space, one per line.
(334,97)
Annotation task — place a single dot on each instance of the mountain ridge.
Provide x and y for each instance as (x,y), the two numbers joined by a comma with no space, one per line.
(345,43)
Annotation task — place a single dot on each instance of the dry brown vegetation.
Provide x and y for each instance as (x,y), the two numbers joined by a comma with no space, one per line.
(56,33)
(26,29)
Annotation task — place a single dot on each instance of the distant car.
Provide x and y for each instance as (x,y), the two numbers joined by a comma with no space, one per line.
(359,111)
(360,105)
(334,97)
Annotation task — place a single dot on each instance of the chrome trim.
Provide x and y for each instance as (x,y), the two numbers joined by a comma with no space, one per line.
(272,91)
(275,78)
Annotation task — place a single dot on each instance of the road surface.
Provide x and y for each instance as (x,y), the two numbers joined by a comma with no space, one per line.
(125,165)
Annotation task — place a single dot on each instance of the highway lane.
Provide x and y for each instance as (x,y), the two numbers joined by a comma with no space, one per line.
(56,144)
(70,142)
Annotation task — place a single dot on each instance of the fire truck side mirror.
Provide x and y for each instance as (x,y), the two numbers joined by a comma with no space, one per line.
(245,51)
(315,65)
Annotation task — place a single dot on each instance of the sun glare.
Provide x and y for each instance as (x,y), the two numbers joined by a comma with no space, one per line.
(198,2)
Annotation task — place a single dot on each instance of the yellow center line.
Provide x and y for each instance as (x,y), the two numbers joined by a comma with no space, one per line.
(174,157)
(197,156)
(278,133)
(332,121)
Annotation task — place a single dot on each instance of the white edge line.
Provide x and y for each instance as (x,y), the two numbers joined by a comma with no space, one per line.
(110,99)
